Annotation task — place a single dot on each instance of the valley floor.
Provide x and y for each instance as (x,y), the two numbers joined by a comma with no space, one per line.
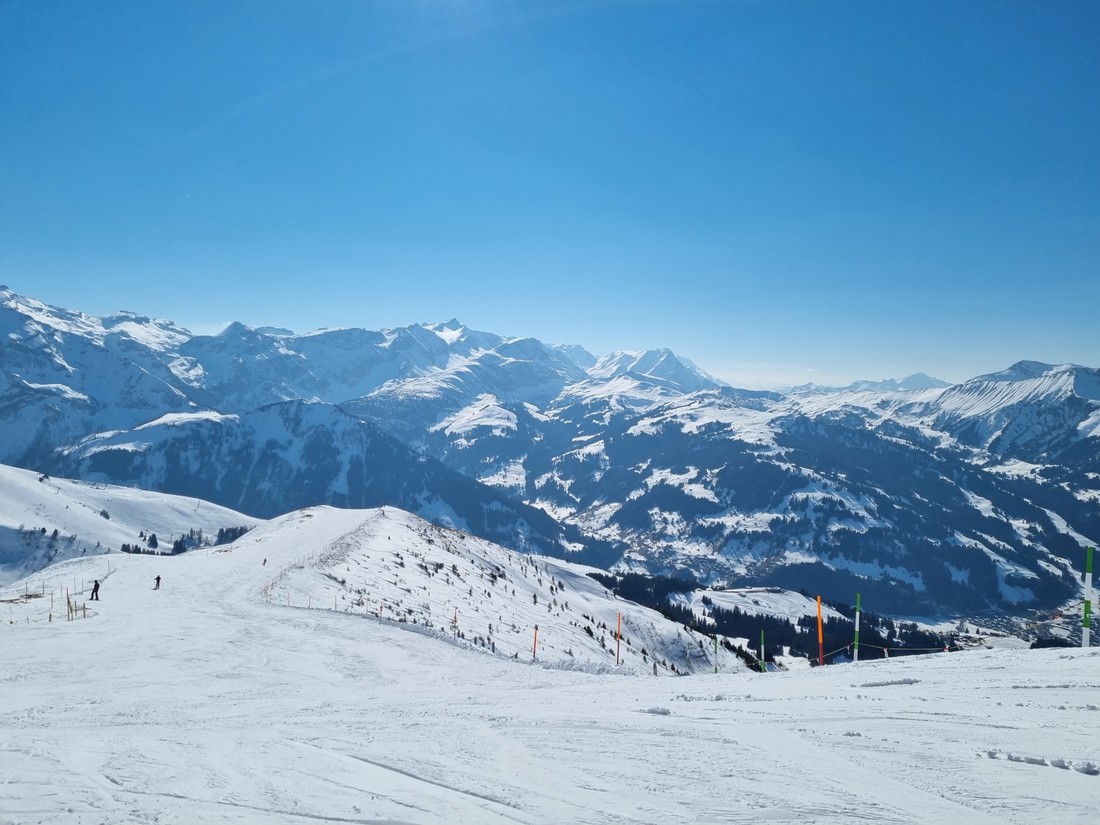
(203,703)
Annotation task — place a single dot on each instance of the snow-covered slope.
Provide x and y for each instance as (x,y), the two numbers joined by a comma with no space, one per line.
(768,601)
(1028,411)
(210,700)
(395,566)
(44,520)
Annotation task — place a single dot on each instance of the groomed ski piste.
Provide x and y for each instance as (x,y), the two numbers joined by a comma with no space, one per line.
(314,671)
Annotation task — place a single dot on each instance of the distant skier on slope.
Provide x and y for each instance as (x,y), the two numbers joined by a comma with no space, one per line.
(156,585)
(95,590)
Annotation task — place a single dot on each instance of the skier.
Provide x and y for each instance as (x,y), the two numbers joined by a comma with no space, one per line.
(157,581)
(95,590)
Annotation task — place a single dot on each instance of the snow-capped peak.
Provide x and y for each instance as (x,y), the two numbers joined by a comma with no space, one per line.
(450,331)
(661,367)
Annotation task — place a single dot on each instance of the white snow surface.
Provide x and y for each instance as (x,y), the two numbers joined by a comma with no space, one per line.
(486,412)
(212,701)
(91,519)
(767,601)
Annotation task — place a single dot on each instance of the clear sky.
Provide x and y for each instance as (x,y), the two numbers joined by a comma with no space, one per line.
(781,191)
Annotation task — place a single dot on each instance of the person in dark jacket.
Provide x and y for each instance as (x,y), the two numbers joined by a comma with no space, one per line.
(95,590)
(157,581)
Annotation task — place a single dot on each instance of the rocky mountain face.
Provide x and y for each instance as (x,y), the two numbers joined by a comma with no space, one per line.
(293,454)
(927,497)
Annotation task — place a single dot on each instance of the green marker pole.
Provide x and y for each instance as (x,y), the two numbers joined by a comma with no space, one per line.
(1086,622)
(855,647)
(763,668)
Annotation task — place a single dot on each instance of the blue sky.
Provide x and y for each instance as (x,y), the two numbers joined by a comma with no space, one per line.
(781,191)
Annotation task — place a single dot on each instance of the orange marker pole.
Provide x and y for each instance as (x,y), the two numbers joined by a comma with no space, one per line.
(535,647)
(820,636)
(618,638)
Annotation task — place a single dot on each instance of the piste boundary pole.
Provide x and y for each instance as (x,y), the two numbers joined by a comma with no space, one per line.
(820,636)
(1086,618)
(855,645)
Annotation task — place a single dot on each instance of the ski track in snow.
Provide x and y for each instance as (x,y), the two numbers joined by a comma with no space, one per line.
(203,703)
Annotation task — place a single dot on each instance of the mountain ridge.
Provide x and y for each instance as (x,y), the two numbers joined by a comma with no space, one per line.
(972,496)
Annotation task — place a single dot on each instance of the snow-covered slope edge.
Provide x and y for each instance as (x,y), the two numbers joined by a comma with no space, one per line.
(45,520)
(394,566)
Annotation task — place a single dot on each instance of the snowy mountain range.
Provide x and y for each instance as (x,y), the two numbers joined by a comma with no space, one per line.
(926,497)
